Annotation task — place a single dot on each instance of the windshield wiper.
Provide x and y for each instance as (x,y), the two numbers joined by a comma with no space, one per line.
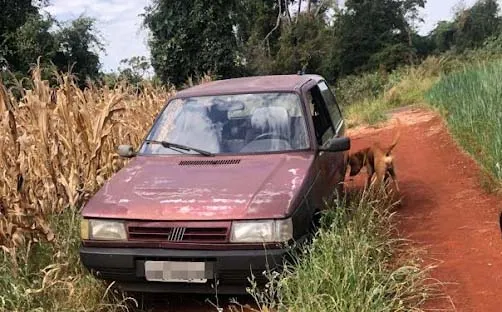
(179,146)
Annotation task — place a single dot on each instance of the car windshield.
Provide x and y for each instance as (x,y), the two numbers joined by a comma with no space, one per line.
(230,124)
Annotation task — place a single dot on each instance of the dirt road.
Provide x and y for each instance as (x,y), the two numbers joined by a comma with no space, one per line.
(446,211)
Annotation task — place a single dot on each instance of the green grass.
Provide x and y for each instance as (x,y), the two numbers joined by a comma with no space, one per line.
(367,111)
(471,103)
(49,277)
(405,86)
(354,264)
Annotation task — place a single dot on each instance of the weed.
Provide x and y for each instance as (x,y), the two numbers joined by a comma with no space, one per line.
(352,265)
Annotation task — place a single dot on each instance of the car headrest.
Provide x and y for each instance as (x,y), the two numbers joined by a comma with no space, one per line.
(273,118)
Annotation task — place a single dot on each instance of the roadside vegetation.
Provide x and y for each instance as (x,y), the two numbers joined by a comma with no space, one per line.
(462,88)
(470,103)
(355,263)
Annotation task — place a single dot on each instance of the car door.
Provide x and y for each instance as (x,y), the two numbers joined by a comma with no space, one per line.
(327,121)
(336,162)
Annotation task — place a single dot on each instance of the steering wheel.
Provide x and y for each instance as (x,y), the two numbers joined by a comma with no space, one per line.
(271,135)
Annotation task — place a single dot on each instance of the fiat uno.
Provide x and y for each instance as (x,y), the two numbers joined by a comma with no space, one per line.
(225,184)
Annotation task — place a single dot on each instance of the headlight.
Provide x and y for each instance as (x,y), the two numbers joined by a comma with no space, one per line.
(102,230)
(262,231)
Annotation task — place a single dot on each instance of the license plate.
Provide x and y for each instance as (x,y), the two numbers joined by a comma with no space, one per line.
(175,271)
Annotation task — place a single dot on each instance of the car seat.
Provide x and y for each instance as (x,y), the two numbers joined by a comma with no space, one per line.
(270,119)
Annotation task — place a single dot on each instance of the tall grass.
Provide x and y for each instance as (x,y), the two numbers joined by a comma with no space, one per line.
(471,103)
(366,98)
(57,147)
(402,87)
(355,263)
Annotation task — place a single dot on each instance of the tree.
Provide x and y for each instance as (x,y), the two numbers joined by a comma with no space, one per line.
(135,70)
(473,26)
(14,15)
(443,36)
(281,40)
(34,40)
(258,37)
(470,28)
(369,32)
(78,48)
(27,37)
(305,44)
(190,38)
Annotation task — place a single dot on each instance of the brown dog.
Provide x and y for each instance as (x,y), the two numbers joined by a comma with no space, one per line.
(377,160)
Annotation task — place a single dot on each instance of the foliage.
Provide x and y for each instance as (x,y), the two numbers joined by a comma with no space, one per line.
(470,101)
(190,38)
(303,45)
(33,40)
(356,88)
(366,98)
(137,67)
(271,37)
(79,46)
(470,28)
(373,34)
(49,277)
(132,71)
(28,37)
(255,20)
(14,16)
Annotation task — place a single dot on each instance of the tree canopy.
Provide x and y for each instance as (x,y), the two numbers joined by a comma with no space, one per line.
(470,28)
(27,35)
(190,38)
(234,37)
(231,38)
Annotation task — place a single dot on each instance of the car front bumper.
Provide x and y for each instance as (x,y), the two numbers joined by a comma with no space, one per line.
(230,268)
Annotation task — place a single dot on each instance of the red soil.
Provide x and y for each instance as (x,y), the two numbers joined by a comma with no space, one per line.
(444,210)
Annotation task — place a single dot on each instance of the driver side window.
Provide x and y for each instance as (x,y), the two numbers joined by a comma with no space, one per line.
(320,116)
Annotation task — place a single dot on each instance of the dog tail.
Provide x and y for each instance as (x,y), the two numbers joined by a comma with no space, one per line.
(396,137)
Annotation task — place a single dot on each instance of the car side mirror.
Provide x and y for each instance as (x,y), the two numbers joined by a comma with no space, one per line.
(126,151)
(339,144)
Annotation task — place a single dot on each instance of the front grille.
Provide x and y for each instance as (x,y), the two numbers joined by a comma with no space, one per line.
(178,234)
(209,162)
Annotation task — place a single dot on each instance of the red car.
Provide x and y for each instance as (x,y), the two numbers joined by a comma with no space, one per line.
(231,173)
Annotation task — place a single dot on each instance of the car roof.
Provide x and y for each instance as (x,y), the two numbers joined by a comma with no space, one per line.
(253,84)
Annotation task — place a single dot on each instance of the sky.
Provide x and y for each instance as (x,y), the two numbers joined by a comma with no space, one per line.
(119,23)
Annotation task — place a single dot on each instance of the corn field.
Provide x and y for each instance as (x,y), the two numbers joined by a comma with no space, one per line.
(57,147)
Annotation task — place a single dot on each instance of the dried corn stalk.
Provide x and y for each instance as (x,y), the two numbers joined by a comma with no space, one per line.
(57,147)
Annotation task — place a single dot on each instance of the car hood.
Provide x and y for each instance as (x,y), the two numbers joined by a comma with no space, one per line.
(189,188)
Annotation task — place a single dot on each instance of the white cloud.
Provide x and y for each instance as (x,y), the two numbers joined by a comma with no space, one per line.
(118,22)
